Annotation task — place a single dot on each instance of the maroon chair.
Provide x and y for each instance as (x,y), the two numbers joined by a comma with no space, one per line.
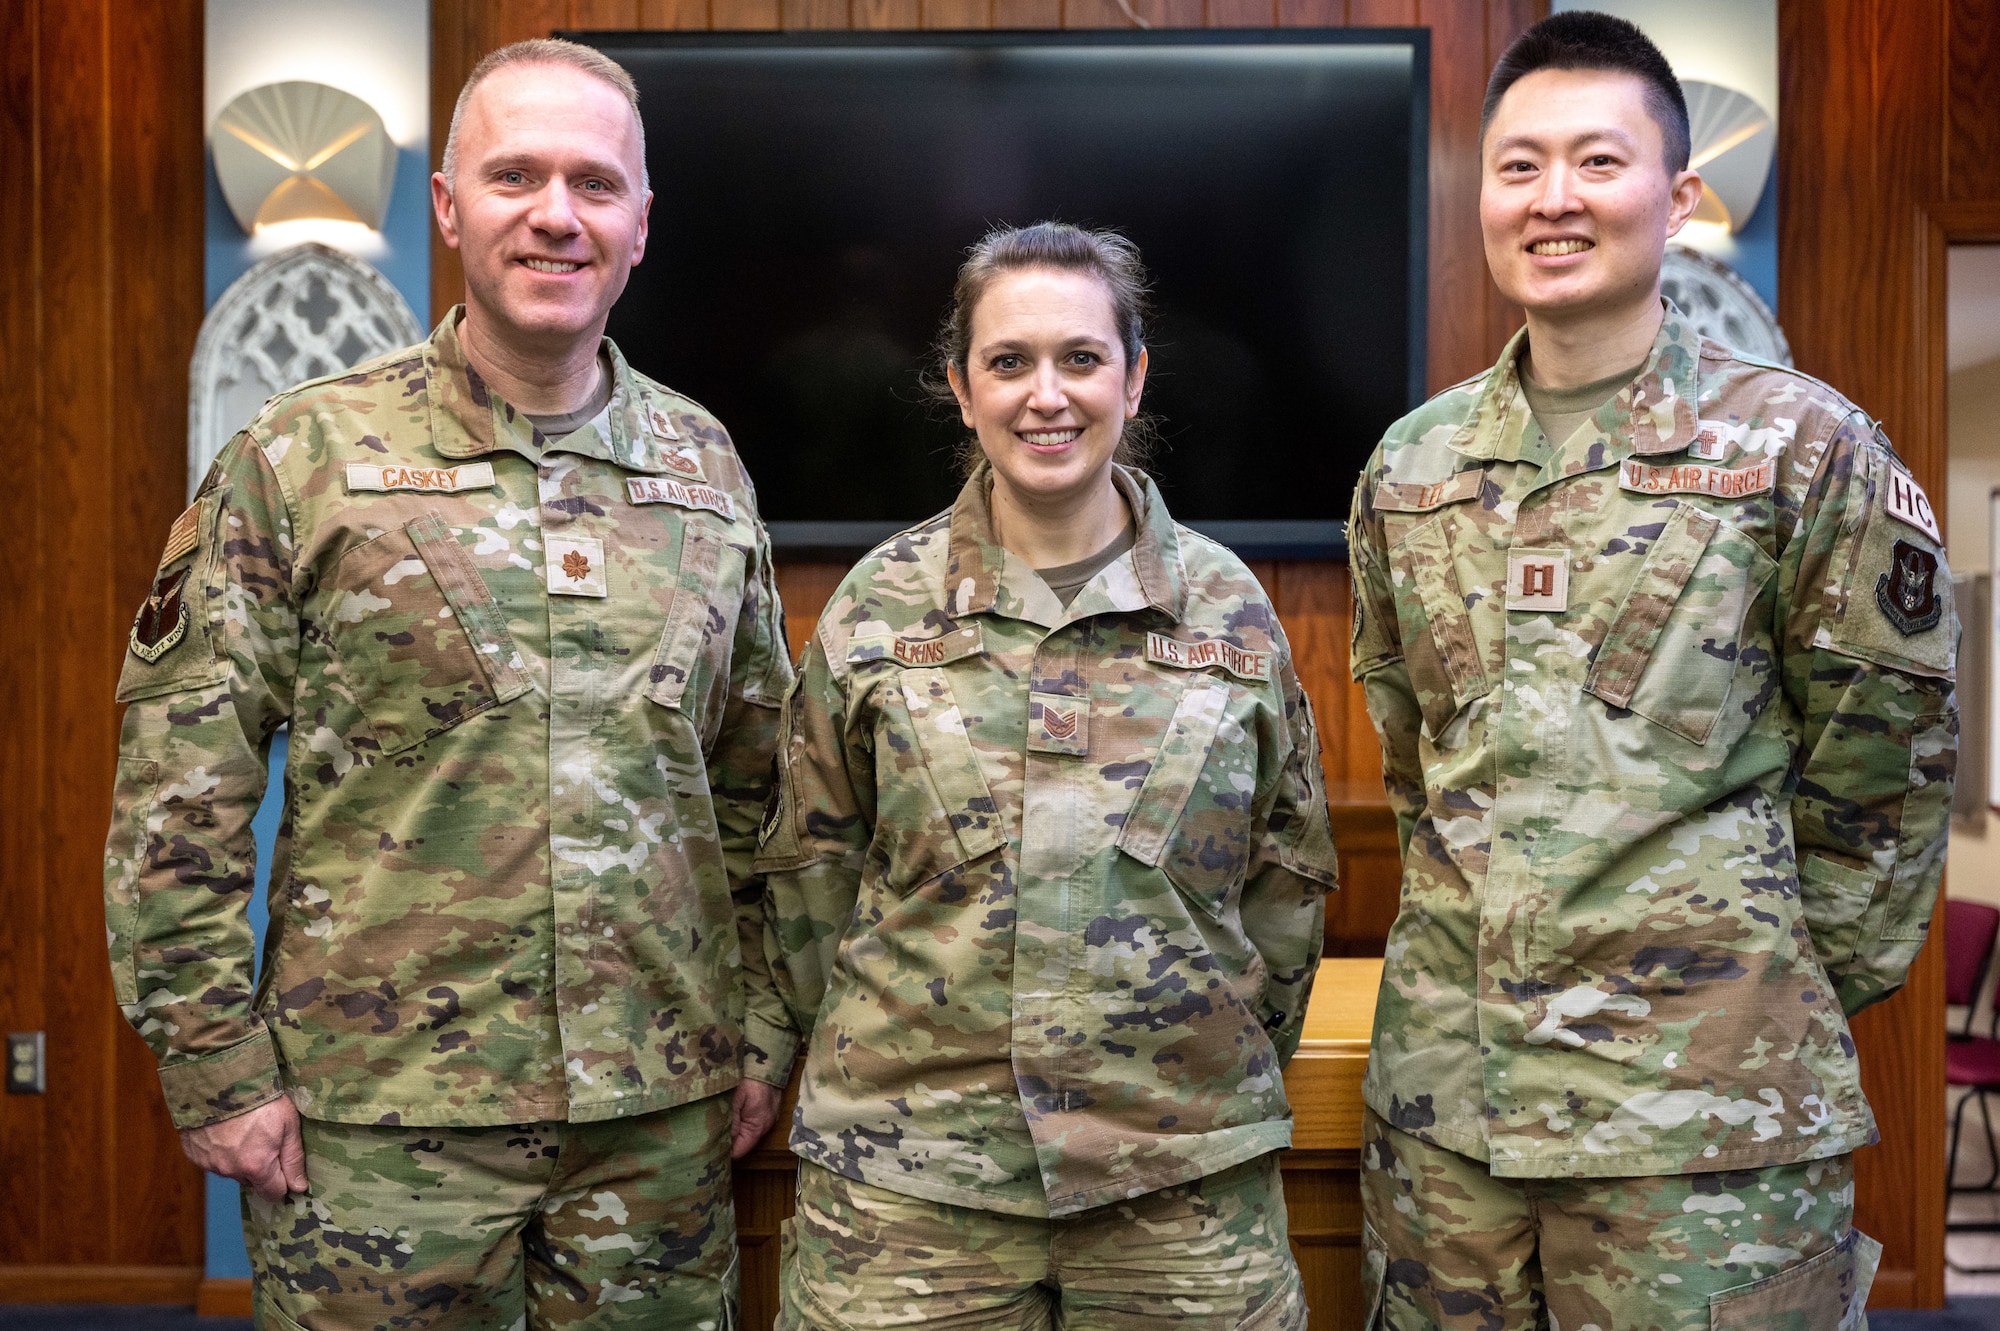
(1970,1060)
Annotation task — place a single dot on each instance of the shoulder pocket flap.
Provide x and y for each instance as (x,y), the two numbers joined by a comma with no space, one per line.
(1149,825)
(471,603)
(169,648)
(1828,1292)
(950,763)
(1896,607)
(940,650)
(1428,550)
(1635,629)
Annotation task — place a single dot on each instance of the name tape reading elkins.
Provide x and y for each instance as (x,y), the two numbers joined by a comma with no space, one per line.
(1690,479)
(660,490)
(1163,650)
(471,476)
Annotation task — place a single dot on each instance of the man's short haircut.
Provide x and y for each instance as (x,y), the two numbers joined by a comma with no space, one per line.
(544,51)
(1586,39)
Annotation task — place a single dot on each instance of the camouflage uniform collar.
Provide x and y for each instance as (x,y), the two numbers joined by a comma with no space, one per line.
(1655,414)
(468,419)
(982,577)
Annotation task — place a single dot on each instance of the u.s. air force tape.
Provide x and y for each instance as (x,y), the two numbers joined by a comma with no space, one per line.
(661,490)
(1163,650)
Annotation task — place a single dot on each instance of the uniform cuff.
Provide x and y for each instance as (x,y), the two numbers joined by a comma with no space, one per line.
(768,1051)
(221,1085)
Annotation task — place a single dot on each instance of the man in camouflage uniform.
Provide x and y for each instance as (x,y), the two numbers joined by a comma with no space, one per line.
(1661,659)
(514,602)
(1047,884)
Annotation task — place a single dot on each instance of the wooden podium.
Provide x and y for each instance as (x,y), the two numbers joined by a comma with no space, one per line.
(1322,1170)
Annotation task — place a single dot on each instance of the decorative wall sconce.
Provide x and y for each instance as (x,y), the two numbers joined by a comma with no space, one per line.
(288,151)
(1732,142)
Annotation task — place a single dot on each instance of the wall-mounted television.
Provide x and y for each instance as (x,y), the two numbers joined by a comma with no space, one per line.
(814,194)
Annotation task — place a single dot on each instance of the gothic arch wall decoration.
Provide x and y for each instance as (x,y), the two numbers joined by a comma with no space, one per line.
(304,312)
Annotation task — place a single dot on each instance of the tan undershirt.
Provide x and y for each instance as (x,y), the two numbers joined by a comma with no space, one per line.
(1066,580)
(1561,412)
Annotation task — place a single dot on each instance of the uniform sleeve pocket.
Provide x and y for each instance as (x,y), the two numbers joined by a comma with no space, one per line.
(124,863)
(420,641)
(1824,1293)
(1686,608)
(1835,897)
(933,757)
(700,628)
(1191,819)
(1444,661)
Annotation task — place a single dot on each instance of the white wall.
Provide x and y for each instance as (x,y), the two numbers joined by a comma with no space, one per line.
(1972,461)
(379,50)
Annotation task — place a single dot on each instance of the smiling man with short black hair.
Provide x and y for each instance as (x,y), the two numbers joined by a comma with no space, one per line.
(1659,642)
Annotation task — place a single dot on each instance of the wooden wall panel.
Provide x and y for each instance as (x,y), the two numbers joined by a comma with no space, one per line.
(1972,103)
(1891,107)
(103,111)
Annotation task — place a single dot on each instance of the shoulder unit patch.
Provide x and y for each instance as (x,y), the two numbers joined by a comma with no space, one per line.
(163,619)
(1907,593)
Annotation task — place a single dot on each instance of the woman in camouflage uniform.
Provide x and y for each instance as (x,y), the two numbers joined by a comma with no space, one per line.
(1047,869)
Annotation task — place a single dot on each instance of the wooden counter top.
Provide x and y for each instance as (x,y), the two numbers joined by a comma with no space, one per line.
(1323,1080)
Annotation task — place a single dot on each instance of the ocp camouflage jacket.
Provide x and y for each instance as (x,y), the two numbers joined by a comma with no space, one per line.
(1667,719)
(533,696)
(1047,886)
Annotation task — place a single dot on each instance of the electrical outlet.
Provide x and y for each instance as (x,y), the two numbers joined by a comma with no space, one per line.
(27,1069)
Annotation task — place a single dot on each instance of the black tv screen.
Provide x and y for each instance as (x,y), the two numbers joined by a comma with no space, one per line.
(814,194)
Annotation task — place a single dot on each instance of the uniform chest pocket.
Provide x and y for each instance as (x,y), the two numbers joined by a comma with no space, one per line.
(1441,651)
(1677,644)
(1191,819)
(690,669)
(420,641)
(934,809)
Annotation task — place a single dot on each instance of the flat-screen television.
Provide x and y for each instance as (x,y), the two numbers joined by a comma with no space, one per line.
(814,194)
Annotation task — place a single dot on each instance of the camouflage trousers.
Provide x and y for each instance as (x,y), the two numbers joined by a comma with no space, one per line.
(1449,1247)
(1206,1254)
(626,1223)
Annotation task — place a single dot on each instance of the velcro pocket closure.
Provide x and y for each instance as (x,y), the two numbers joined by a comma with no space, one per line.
(1180,823)
(963,823)
(1635,630)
